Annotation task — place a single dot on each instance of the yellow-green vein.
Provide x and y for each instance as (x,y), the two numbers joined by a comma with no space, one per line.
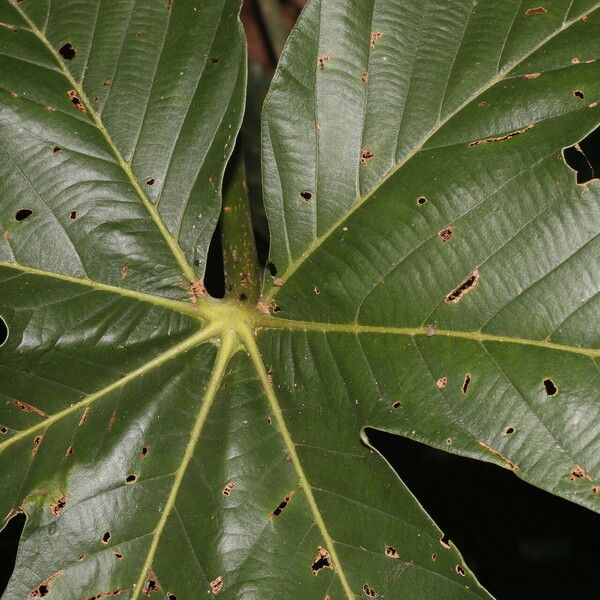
(500,76)
(189,343)
(195,310)
(228,346)
(269,322)
(255,356)
(173,245)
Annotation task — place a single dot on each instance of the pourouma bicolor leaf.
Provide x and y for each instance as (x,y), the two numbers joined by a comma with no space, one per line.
(433,273)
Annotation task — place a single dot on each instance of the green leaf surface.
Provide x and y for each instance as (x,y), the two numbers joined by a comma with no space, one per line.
(167,445)
(442,171)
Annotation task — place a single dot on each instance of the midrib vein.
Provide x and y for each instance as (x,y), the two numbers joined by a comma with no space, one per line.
(194,340)
(203,310)
(174,305)
(269,322)
(173,245)
(228,345)
(500,76)
(247,338)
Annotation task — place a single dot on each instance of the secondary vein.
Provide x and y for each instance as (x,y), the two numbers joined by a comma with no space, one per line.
(173,245)
(202,336)
(227,349)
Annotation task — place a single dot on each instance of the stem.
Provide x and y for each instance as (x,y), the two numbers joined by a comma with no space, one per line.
(242,275)
(272,19)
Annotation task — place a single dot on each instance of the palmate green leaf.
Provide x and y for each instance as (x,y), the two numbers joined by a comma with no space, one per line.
(444,269)
(167,445)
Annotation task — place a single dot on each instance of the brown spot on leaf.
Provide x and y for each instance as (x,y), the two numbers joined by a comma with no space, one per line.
(9,27)
(278,281)
(366,156)
(28,408)
(58,506)
(228,489)
(282,505)
(321,561)
(375,37)
(69,452)
(125,271)
(421,200)
(144,451)
(501,138)
(112,420)
(538,10)
(460,570)
(511,465)
(445,542)
(391,552)
(446,234)
(369,592)
(322,60)
(56,149)
(532,75)
(365,77)
(216,585)
(430,330)
(77,103)
(466,383)
(151,585)
(578,472)
(441,383)
(37,441)
(197,289)
(464,287)
(263,306)
(44,588)
(110,594)
(105,537)
(84,416)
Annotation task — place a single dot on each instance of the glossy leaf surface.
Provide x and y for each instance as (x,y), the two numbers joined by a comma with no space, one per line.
(434,274)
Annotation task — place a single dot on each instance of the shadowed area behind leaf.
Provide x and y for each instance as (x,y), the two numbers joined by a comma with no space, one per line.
(522,542)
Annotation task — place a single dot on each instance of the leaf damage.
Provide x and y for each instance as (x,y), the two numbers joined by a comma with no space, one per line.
(466,286)
(501,138)
(511,465)
(43,589)
(321,561)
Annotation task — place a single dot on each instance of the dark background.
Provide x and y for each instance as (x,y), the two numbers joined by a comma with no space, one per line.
(521,542)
